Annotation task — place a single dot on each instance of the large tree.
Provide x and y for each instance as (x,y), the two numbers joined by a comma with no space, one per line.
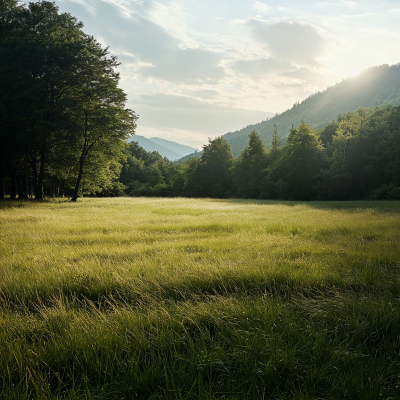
(40,60)
(304,152)
(250,168)
(100,120)
(60,105)
(210,175)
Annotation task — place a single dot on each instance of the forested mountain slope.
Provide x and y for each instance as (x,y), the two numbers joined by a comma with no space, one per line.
(372,87)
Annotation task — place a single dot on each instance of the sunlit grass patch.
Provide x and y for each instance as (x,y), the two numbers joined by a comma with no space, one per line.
(199,298)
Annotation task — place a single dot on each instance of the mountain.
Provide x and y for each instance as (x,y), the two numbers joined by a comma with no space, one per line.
(177,147)
(166,148)
(150,146)
(372,87)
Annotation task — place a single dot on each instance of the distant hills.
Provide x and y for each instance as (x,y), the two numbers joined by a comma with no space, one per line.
(376,86)
(372,87)
(166,148)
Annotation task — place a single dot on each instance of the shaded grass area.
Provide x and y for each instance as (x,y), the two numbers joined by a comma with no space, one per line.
(186,299)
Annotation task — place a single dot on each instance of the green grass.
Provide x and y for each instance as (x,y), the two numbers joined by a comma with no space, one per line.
(199,299)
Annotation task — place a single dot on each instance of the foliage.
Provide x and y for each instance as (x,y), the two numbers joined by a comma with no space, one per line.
(50,72)
(360,159)
(249,171)
(210,175)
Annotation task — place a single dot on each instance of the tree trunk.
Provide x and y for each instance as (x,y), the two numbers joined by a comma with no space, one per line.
(30,188)
(20,191)
(61,192)
(78,180)
(39,194)
(34,175)
(13,192)
(24,187)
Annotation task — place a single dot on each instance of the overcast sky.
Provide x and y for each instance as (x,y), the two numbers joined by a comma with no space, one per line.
(195,69)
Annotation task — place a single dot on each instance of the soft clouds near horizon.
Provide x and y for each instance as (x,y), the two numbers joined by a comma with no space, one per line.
(194,70)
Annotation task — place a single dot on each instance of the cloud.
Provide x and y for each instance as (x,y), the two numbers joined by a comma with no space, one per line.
(260,7)
(205,94)
(160,110)
(131,35)
(191,66)
(260,67)
(294,41)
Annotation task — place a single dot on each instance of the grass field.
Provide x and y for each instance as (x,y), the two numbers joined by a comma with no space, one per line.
(199,299)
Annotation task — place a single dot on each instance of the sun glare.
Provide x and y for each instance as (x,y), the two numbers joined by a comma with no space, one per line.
(351,72)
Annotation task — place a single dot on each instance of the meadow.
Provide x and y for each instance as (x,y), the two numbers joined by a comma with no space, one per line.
(148,298)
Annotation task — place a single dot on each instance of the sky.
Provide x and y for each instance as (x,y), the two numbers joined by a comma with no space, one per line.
(195,69)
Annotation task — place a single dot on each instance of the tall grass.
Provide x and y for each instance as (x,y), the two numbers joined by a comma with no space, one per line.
(187,299)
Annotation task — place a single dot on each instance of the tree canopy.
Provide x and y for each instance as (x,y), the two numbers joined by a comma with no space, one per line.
(60,105)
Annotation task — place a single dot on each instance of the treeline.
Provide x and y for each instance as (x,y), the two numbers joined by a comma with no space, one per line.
(356,156)
(62,116)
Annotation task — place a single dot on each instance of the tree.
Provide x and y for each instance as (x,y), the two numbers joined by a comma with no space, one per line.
(39,64)
(61,109)
(304,151)
(328,132)
(250,169)
(362,115)
(8,11)
(210,175)
(274,153)
(100,122)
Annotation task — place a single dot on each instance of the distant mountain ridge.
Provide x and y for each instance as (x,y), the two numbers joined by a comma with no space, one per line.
(372,87)
(174,146)
(166,148)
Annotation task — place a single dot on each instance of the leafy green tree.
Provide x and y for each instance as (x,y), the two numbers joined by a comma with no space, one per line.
(338,180)
(193,179)
(304,155)
(362,115)
(215,169)
(10,154)
(249,170)
(210,175)
(328,132)
(156,176)
(382,154)
(100,120)
(39,63)
(274,153)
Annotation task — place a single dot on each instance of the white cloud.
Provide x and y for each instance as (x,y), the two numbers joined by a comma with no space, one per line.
(189,66)
(260,67)
(294,41)
(261,8)
(205,94)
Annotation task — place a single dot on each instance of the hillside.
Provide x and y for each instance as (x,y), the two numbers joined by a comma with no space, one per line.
(372,87)
(166,148)
(174,146)
(150,146)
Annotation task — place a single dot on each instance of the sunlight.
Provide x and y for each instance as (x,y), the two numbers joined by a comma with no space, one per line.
(351,71)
